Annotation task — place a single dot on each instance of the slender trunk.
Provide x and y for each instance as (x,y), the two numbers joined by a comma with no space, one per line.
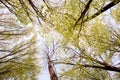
(52,73)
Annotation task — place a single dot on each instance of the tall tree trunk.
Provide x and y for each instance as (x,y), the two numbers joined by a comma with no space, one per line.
(52,73)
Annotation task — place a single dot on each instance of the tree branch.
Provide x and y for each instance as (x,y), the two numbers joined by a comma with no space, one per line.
(105,8)
(83,13)
(103,67)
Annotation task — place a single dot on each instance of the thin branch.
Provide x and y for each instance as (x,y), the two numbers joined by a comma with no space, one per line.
(105,67)
(83,13)
(105,8)
(25,9)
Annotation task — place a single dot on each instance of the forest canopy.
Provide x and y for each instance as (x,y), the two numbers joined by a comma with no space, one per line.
(82,39)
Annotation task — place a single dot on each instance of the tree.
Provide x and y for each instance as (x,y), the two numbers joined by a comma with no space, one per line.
(91,45)
(17,55)
(94,36)
(49,54)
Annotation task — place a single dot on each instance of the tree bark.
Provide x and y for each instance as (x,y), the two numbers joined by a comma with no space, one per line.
(52,73)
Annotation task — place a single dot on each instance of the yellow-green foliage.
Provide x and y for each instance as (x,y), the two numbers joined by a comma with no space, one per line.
(116,1)
(81,73)
(99,37)
(22,67)
(21,10)
(64,19)
(116,13)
